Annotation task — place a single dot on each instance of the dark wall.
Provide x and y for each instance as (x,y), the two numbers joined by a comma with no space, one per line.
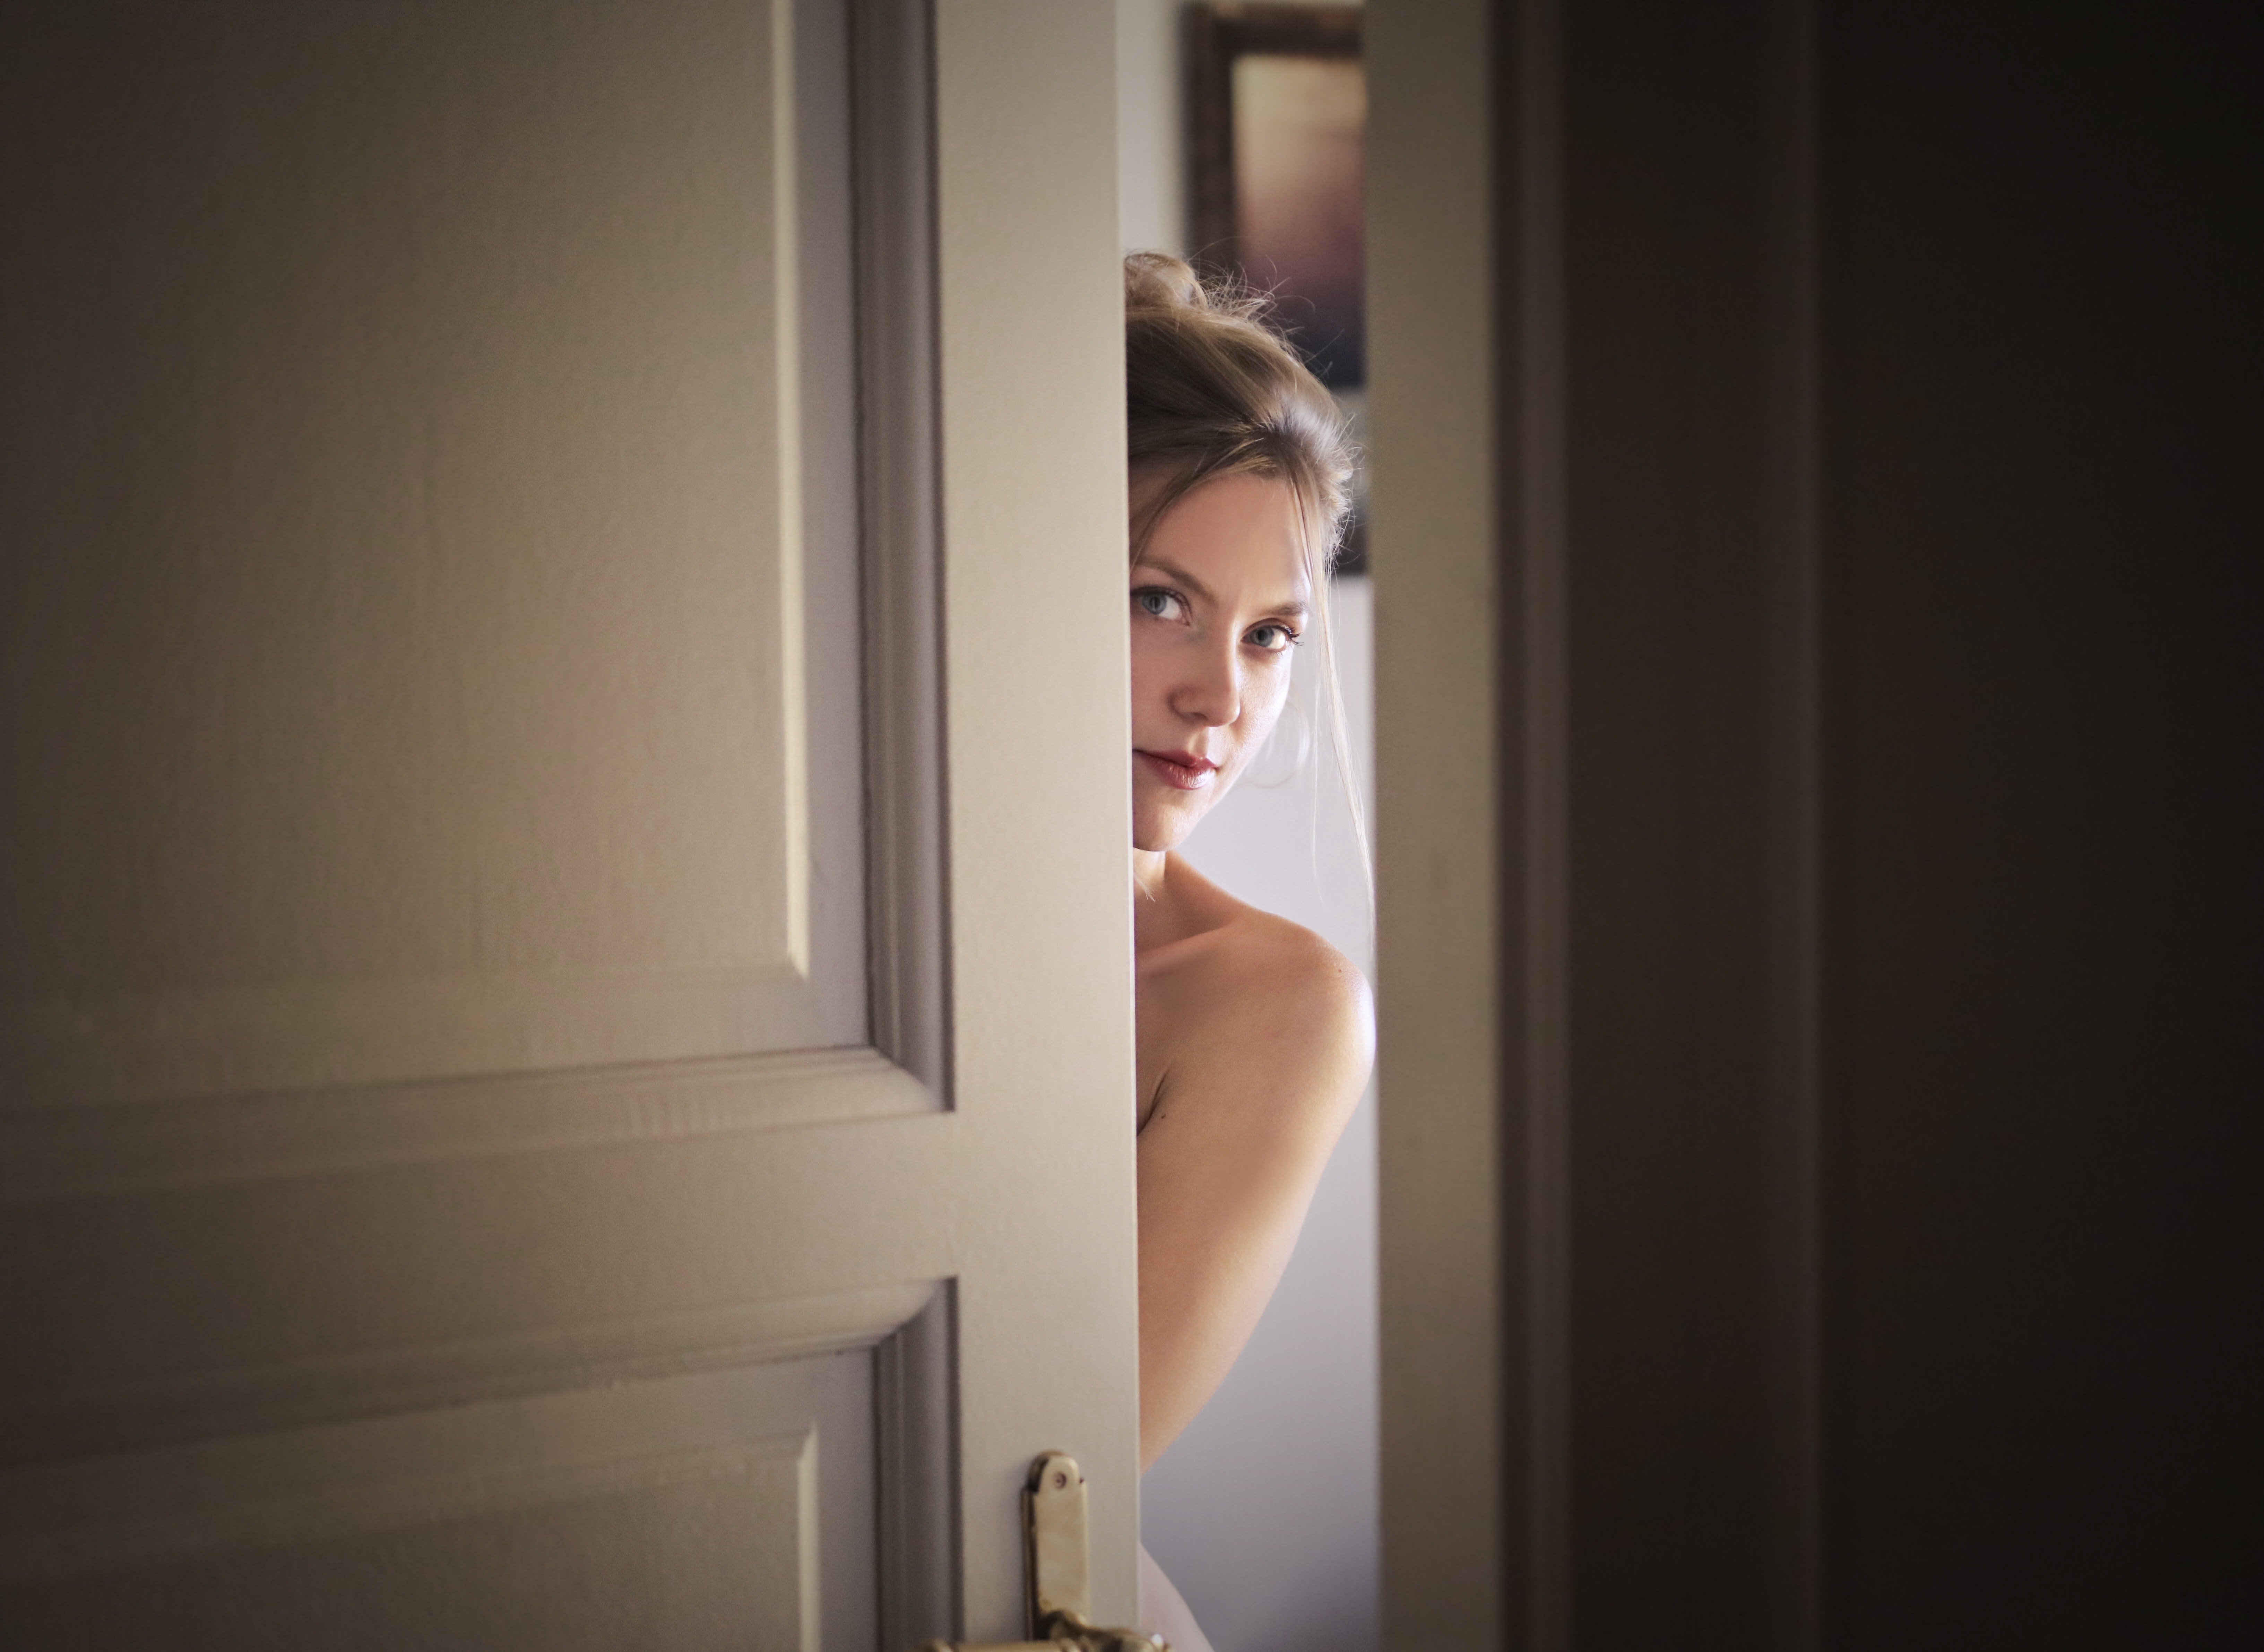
(1671,550)
(2039,506)
(1910,368)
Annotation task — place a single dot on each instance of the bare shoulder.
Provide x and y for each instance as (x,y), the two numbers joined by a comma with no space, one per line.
(1267,965)
(1260,1013)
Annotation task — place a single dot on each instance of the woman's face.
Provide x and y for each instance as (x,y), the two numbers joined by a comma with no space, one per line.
(1219,599)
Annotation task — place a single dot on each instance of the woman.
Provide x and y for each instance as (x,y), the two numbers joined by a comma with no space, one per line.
(1254,1035)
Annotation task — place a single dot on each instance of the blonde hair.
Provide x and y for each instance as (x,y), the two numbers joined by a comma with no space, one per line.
(1212,391)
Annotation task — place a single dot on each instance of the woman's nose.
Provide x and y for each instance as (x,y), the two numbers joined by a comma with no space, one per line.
(1211,691)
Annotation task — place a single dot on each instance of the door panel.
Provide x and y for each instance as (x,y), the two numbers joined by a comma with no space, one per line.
(464,1175)
(434,563)
(415,664)
(689,1512)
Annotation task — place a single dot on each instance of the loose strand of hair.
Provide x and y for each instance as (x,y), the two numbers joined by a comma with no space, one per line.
(1320,553)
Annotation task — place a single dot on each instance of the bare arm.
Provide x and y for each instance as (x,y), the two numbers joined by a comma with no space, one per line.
(1272,1060)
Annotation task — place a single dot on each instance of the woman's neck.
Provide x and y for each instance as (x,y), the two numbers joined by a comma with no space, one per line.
(1156,918)
(1171,901)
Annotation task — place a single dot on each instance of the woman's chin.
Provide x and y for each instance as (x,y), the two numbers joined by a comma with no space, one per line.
(1156,831)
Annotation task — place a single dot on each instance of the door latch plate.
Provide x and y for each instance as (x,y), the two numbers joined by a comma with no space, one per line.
(1058,1572)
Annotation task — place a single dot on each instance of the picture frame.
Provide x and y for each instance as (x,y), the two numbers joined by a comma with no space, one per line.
(1276,103)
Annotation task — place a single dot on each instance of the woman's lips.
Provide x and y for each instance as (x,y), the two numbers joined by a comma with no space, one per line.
(1186,774)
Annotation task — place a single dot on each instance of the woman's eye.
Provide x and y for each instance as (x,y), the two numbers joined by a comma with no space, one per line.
(1273,638)
(1159,604)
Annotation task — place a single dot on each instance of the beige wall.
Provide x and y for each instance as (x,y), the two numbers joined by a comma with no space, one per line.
(1151,185)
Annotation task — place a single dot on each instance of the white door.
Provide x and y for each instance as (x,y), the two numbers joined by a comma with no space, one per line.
(566,1029)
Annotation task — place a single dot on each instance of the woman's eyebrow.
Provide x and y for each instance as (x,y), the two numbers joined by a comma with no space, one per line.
(1181,574)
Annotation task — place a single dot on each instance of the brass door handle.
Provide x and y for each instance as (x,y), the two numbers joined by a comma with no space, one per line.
(1064,1632)
(1056,1561)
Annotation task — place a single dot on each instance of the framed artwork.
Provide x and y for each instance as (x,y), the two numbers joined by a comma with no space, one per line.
(1276,105)
(1277,108)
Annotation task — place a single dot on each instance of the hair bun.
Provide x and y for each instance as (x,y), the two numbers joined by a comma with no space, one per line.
(1158,281)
